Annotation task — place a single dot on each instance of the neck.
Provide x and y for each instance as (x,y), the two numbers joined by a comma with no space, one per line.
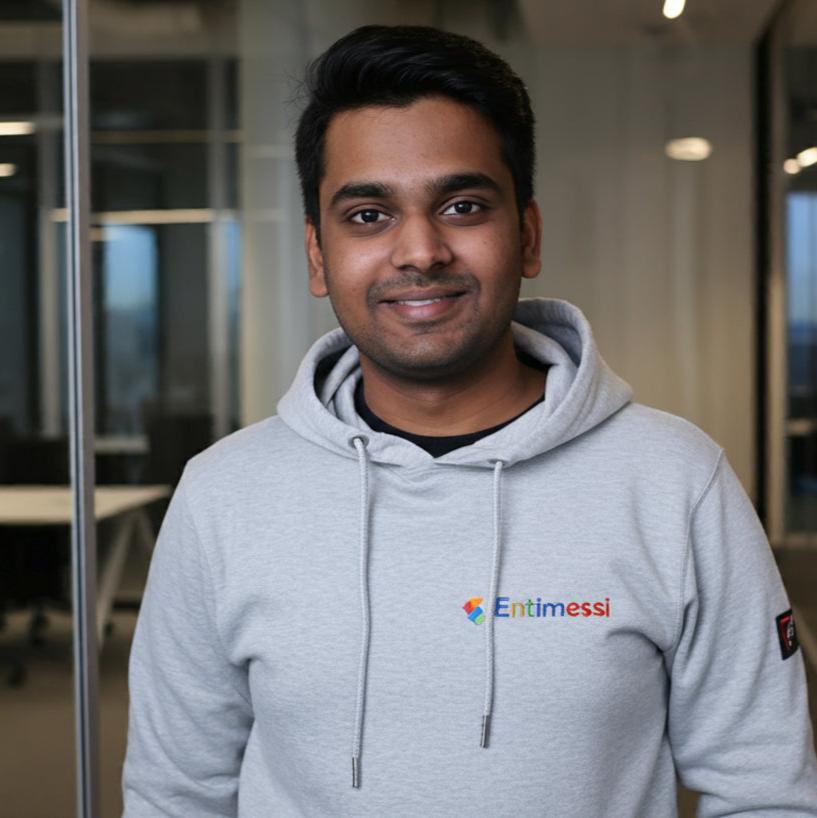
(498,389)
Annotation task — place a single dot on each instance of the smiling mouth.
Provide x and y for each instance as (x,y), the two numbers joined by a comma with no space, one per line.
(424,310)
(419,302)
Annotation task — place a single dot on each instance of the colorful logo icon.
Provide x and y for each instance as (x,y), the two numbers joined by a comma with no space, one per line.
(475,613)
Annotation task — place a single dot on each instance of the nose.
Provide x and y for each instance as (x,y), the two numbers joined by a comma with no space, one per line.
(419,244)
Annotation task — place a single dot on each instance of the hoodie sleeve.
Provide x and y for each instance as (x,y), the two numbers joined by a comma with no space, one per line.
(190,712)
(738,717)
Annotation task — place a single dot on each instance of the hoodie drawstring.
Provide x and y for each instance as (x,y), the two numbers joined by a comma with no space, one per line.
(489,631)
(360,445)
(362,456)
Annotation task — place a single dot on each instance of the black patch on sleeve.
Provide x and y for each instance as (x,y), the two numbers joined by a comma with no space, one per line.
(787,634)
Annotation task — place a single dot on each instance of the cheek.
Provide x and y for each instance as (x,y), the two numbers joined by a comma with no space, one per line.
(494,259)
(355,257)
(496,243)
(351,269)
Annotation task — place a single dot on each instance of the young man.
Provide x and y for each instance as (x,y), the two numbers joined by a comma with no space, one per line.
(460,553)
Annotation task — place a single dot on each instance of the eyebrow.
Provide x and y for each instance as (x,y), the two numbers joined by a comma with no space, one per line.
(442,186)
(462,181)
(361,190)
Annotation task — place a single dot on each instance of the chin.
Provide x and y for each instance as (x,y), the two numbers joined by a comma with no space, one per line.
(425,365)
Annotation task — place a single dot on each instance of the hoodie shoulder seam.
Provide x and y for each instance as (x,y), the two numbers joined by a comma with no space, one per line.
(688,549)
(208,570)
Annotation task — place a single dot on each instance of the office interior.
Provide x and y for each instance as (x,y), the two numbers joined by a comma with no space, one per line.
(677,179)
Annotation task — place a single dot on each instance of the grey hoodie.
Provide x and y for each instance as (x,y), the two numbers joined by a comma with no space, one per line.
(547,622)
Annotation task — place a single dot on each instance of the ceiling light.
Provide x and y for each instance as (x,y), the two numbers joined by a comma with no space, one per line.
(673,8)
(791,166)
(807,157)
(16,128)
(7,169)
(689,149)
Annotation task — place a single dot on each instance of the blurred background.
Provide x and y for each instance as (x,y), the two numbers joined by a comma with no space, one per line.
(677,177)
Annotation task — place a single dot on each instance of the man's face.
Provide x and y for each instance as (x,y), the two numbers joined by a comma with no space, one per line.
(421,251)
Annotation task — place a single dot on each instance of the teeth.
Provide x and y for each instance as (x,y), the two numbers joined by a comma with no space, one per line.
(421,303)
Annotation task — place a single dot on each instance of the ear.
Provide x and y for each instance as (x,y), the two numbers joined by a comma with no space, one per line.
(531,240)
(314,257)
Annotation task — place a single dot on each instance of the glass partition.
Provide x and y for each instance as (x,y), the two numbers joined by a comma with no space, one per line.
(798,178)
(791,282)
(165,146)
(36,654)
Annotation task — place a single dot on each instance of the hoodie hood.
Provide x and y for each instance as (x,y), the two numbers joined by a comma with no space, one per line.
(581,392)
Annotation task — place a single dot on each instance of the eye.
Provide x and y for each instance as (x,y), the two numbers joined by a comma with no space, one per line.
(368,216)
(463,208)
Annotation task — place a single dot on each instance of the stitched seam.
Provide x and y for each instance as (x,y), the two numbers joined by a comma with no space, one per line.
(209,571)
(688,551)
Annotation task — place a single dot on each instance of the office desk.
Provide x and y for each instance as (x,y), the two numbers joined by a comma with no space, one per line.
(126,505)
(127,455)
(121,444)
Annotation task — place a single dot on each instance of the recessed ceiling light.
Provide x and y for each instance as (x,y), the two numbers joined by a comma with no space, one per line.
(7,169)
(689,149)
(791,166)
(807,157)
(673,8)
(16,128)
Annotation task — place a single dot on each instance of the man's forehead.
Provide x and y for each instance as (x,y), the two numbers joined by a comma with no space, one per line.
(427,118)
(423,108)
(418,147)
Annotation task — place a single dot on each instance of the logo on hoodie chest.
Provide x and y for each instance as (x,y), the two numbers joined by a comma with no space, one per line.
(506,608)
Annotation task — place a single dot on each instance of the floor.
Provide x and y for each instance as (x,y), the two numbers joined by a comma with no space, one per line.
(44,705)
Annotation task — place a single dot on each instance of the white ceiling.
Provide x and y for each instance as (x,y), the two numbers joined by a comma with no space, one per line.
(616,22)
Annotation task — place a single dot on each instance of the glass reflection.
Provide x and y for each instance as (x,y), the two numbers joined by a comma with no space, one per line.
(36,653)
(165,146)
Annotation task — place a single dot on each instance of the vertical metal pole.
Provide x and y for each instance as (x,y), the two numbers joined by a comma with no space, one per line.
(81,400)
(777,484)
(49,289)
(217,302)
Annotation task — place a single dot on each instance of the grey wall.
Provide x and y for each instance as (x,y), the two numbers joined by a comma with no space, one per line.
(657,252)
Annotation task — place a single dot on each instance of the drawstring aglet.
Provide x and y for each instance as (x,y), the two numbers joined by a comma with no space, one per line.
(355,773)
(486,722)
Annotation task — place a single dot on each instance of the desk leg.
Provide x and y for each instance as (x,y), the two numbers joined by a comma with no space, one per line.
(110,573)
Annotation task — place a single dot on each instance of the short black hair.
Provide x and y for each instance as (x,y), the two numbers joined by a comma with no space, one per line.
(396,65)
